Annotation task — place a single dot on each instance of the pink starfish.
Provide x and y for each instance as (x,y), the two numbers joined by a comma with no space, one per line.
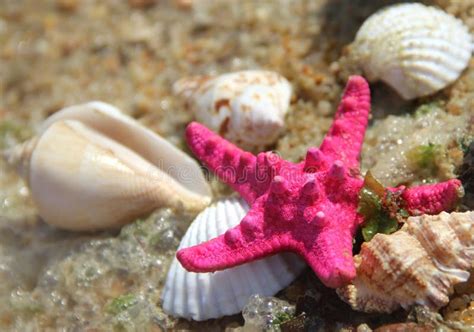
(310,207)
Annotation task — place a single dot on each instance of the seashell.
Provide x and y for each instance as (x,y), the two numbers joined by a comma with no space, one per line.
(415,49)
(92,167)
(246,107)
(202,296)
(419,264)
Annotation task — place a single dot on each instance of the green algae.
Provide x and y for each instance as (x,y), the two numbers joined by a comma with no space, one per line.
(465,143)
(425,156)
(377,220)
(373,205)
(121,303)
(12,131)
(427,108)
(382,223)
(281,318)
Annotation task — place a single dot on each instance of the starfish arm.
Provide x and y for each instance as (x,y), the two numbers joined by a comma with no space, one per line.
(236,246)
(231,164)
(346,135)
(433,198)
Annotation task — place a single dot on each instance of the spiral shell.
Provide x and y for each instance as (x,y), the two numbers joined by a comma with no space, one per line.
(420,264)
(91,167)
(415,49)
(202,296)
(246,107)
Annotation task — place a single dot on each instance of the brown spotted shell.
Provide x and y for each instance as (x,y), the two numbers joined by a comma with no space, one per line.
(246,107)
(419,264)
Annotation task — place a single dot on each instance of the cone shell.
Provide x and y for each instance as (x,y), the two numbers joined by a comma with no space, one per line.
(415,49)
(92,167)
(419,264)
(246,107)
(201,296)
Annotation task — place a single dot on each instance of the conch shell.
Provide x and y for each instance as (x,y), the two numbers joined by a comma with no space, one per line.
(246,107)
(92,167)
(419,264)
(416,49)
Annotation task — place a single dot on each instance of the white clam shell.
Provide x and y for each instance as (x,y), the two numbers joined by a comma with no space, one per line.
(415,49)
(246,107)
(201,296)
(92,167)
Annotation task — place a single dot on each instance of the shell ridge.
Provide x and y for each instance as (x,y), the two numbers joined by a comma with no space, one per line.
(440,256)
(168,297)
(219,222)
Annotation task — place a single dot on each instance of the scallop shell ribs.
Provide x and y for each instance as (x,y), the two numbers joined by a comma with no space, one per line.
(417,50)
(201,296)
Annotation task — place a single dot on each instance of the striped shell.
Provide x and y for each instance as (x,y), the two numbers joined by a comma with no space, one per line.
(92,167)
(202,296)
(419,264)
(415,49)
(246,107)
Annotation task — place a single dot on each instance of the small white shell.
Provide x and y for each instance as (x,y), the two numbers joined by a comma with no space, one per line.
(92,167)
(202,296)
(415,49)
(246,107)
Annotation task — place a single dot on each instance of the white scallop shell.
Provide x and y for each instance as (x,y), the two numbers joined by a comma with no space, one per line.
(91,167)
(202,296)
(246,107)
(415,49)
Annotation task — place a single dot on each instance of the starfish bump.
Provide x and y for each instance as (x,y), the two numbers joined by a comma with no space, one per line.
(309,207)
